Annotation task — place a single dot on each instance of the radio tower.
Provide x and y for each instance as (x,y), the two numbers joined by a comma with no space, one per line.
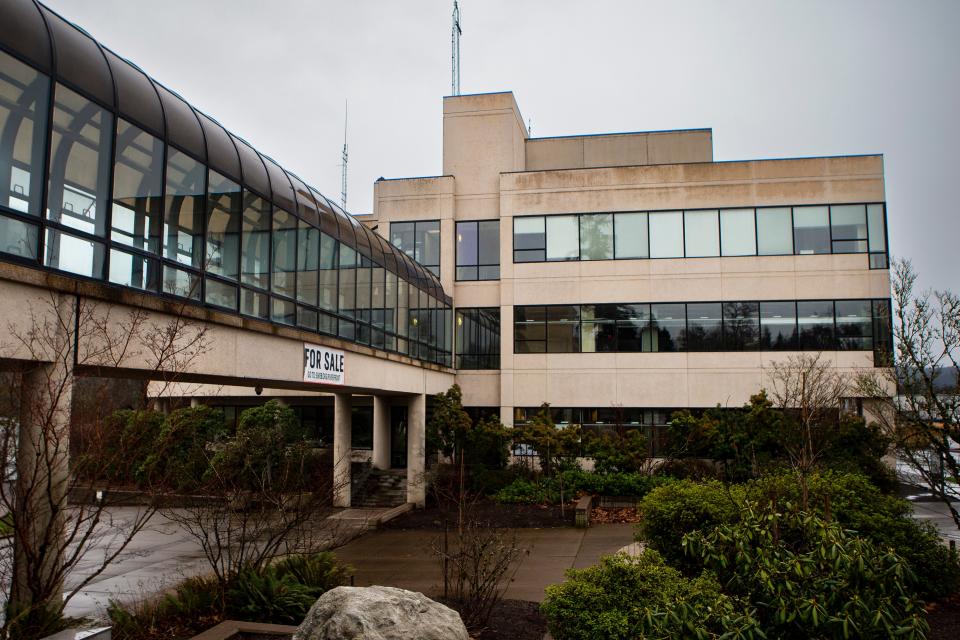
(343,158)
(455,51)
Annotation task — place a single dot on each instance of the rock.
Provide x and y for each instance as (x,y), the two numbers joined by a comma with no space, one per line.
(379,613)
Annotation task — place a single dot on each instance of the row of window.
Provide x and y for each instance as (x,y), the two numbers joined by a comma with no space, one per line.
(101,198)
(764,231)
(805,325)
(478,338)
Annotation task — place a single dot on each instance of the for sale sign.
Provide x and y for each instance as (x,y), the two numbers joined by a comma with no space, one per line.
(322,365)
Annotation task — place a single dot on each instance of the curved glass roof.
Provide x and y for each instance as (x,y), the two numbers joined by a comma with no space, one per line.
(71,56)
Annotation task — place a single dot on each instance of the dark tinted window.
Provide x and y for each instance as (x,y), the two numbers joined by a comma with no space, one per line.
(815,319)
(778,326)
(741,326)
(669,323)
(703,327)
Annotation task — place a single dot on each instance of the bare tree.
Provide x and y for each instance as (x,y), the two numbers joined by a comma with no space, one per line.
(66,337)
(917,398)
(809,391)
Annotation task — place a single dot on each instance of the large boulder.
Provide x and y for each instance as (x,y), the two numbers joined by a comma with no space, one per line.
(379,613)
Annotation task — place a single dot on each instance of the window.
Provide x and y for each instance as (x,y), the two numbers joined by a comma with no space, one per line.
(630,235)
(598,331)
(529,240)
(815,320)
(478,250)
(23,123)
(478,338)
(80,256)
(854,325)
(596,236)
(220,294)
(133,270)
(848,228)
(419,240)
(563,329)
(634,332)
(701,234)
(530,329)
(741,326)
(348,280)
(669,324)
(224,212)
(778,326)
(811,230)
(255,242)
(183,226)
(308,263)
(876,230)
(18,238)
(284,253)
(254,304)
(390,311)
(666,234)
(563,238)
(181,283)
(704,327)
(137,189)
(738,233)
(328,273)
(882,333)
(774,231)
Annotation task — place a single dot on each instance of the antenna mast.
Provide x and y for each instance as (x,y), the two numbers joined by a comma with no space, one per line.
(343,159)
(455,51)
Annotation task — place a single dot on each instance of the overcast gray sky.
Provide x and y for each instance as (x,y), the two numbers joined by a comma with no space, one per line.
(772,78)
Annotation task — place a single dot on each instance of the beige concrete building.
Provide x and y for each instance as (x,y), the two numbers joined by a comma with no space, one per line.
(621,276)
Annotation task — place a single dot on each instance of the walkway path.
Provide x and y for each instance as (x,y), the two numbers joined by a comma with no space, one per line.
(404,558)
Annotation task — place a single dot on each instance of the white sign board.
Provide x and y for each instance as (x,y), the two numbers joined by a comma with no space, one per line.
(322,365)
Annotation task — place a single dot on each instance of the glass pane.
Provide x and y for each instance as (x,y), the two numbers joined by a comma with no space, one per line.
(467,244)
(255,241)
(137,189)
(489,273)
(183,226)
(774,231)
(348,281)
(741,326)
(562,238)
(308,262)
(467,273)
(401,235)
(633,328)
(390,303)
(428,244)
(848,222)
(181,283)
(778,326)
(598,329)
(18,238)
(284,254)
(702,234)
(489,254)
(76,255)
(738,232)
(666,234)
(377,293)
(221,294)
(703,327)
(528,233)
(328,273)
(306,318)
(134,271)
(224,212)
(631,235)
(530,255)
(854,325)
(669,324)
(816,325)
(254,304)
(283,311)
(403,292)
(79,163)
(596,236)
(875,222)
(811,230)
(23,123)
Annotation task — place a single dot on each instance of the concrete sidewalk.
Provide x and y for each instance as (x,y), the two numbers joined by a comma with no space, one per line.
(405,559)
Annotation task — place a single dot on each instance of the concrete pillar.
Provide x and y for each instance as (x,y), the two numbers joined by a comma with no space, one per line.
(194,403)
(417,450)
(342,445)
(43,452)
(381,432)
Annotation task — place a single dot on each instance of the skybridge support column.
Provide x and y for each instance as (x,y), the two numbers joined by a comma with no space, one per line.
(417,450)
(342,446)
(381,432)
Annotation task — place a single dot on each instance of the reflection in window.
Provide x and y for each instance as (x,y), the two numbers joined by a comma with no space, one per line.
(704,327)
(137,189)
(563,241)
(563,329)
(666,234)
(530,329)
(598,331)
(23,123)
(221,294)
(738,234)
(224,212)
(328,273)
(283,311)
(77,255)
(284,254)
(183,226)
(348,280)
(18,238)
(253,303)
(630,235)
(308,262)
(596,236)
(701,234)
(848,228)
(634,332)
(815,319)
(741,326)
(669,322)
(255,242)
(811,230)
(529,240)
(774,231)
(478,250)
(420,240)
(778,326)
(478,338)
(79,164)
(136,271)
(854,325)
(181,283)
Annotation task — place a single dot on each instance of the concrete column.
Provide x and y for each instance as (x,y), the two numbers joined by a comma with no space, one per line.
(417,450)
(342,445)
(43,452)
(381,432)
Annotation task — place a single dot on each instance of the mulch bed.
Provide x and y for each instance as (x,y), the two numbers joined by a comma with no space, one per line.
(614,515)
(944,619)
(511,620)
(514,516)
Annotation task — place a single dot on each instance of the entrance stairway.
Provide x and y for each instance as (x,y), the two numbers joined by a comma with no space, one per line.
(378,487)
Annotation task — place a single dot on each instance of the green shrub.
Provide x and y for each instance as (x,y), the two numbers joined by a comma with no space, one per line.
(575,482)
(626,597)
(319,572)
(194,606)
(180,458)
(810,578)
(623,450)
(677,508)
(115,451)
(522,491)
